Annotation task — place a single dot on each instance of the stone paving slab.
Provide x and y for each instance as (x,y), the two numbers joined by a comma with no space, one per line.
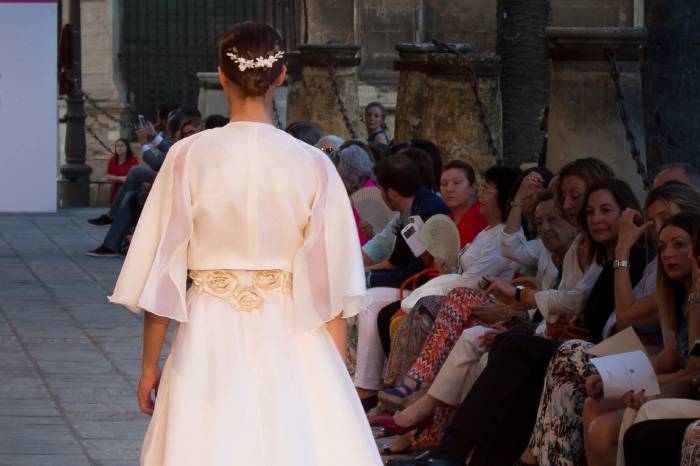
(70,361)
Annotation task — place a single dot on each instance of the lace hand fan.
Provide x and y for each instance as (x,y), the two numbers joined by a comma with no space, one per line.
(372,208)
(441,238)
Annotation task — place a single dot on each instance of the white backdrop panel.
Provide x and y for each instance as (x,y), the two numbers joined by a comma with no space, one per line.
(28,114)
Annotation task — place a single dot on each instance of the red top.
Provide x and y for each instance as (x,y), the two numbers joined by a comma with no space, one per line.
(470,225)
(119,169)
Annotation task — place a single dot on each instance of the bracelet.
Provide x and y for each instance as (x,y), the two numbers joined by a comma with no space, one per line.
(693,298)
(621,264)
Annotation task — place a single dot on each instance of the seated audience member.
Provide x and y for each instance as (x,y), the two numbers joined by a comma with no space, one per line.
(355,169)
(182,124)
(379,247)
(423,160)
(458,190)
(481,257)
(573,181)
(375,122)
(118,166)
(522,360)
(678,304)
(215,121)
(678,171)
(399,181)
(154,146)
(329,143)
(467,359)
(425,145)
(305,132)
(558,431)
(529,184)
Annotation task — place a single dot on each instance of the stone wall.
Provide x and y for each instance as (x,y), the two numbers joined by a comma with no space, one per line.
(330,21)
(381,24)
(473,22)
(592,13)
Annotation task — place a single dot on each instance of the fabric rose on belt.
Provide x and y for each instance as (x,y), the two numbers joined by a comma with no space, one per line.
(249,298)
(268,280)
(220,283)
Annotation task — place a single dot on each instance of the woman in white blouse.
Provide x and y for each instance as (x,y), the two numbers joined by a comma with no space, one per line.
(262,224)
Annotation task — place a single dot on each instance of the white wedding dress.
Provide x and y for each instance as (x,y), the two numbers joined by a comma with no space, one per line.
(253,378)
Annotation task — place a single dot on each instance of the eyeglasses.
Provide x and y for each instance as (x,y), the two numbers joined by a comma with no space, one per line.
(327,150)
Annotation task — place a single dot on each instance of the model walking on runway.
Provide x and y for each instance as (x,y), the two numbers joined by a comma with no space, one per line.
(262,224)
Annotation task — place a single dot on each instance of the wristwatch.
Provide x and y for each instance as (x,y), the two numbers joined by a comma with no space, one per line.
(621,264)
(518,290)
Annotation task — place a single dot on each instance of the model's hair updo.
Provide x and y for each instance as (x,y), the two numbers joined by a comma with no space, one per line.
(250,40)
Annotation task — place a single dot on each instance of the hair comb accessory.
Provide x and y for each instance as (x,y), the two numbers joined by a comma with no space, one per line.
(260,62)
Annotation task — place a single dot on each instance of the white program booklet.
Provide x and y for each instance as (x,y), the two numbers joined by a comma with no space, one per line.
(626,371)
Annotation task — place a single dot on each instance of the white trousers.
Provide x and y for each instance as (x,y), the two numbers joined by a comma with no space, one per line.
(370,355)
(462,367)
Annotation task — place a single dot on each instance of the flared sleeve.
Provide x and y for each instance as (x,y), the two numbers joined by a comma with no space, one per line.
(328,273)
(154,275)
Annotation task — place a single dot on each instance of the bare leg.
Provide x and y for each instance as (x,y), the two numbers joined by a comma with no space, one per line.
(601,421)
(418,411)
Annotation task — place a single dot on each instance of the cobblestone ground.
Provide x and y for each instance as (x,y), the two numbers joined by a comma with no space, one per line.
(69,362)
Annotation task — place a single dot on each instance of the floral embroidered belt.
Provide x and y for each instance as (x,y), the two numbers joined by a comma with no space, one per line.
(244,289)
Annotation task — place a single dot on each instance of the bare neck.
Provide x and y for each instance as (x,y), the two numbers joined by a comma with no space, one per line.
(258,109)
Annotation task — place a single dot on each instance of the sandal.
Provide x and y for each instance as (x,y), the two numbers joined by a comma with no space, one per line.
(402,395)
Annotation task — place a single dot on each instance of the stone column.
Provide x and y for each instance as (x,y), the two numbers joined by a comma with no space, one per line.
(584,117)
(435,101)
(310,96)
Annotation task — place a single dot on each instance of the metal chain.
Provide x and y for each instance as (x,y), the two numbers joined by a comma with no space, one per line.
(624,117)
(341,103)
(478,103)
(91,132)
(124,124)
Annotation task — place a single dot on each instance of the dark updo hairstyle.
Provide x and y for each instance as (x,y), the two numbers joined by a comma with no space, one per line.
(503,177)
(251,39)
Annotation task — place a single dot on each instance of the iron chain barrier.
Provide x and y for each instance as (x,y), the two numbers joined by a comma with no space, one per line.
(624,118)
(90,101)
(478,103)
(91,132)
(341,103)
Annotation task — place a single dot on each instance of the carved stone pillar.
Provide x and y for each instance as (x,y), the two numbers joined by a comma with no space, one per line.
(584,112)
(311,97)
(435,101)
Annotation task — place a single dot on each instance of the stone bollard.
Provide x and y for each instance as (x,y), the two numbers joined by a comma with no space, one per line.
(584,114)
(311,95)
(435,101)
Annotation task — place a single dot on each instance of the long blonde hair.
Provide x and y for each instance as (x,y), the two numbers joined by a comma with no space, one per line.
(669,293)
